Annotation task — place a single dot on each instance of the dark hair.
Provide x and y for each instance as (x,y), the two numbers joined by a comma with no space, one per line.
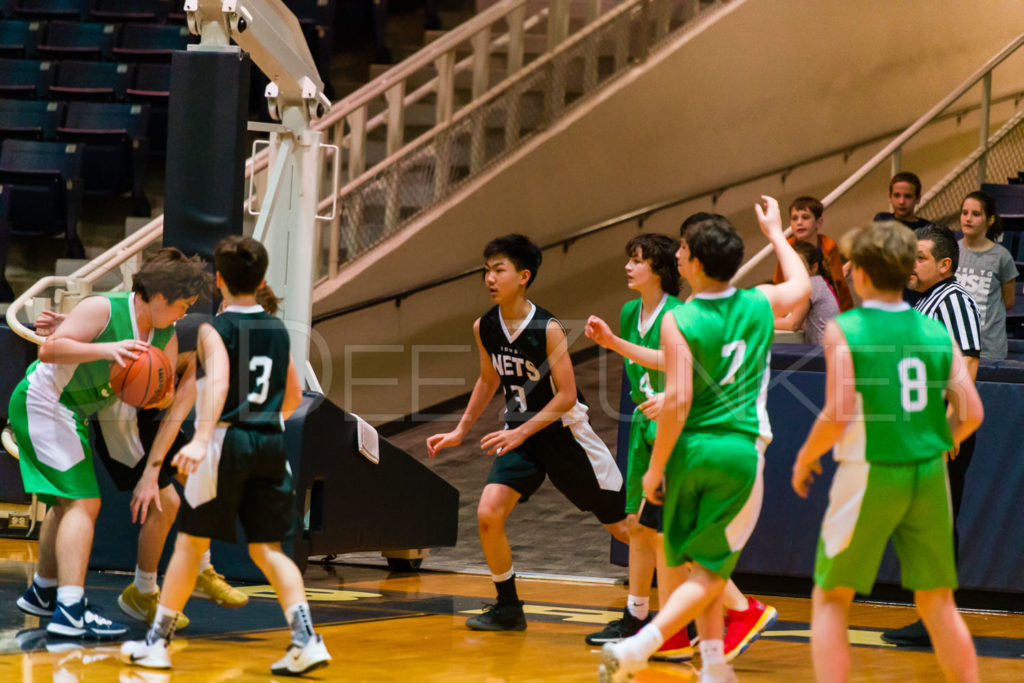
(524,254)
(806,203)
(906,178)
(170,273)
(266,298)
(660,251)
(943,243)
(242,262)
(988,205)
(713,241)
(885,250)
(813,256)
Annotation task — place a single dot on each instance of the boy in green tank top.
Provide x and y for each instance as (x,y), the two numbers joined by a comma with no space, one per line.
(888,370)
(711,432)
(49,413)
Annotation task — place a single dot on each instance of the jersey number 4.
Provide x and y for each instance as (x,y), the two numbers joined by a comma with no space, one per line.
(262,365)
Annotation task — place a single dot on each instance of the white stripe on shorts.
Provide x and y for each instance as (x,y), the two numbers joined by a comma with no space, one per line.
(742,526)
(201,486)
(607,473)
(119,425)
(845,499)
(53,430)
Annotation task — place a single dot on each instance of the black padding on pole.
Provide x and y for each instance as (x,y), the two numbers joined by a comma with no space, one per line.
(206,149)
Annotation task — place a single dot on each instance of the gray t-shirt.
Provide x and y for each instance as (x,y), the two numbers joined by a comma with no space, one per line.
(982,274)
(823,308)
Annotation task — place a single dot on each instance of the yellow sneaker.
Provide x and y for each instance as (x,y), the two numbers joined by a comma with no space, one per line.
(142,606)
(212,586)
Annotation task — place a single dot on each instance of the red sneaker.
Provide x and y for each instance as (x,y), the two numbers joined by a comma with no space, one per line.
(742,627)
(677,648)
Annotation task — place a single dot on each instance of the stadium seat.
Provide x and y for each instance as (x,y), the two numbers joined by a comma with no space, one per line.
(6,293)
(30,119)
(79,40)
(153,87)
(129,10)
(50,9)
(92,80)
(19,38)
(25,77)
(115,148)
(151,42)
(43,188)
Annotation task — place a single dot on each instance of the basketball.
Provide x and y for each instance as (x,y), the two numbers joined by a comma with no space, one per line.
(143,380)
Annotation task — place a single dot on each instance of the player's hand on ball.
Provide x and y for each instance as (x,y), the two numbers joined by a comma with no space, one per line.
(439,441)
(803,476)
(499,443)
(123,351)
(652,486)
(651,408)
(598,330)
(188,458)
(168,399)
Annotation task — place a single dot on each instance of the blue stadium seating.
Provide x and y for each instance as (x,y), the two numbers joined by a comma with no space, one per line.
(25,77)
(92,80)
(30,119)
(50,9)
(152,86)
(79,40)
(130,10)
(19,38)
(43,188)
(115,145)
(147,42)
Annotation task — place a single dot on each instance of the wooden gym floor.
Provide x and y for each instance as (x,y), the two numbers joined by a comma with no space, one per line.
(381,626)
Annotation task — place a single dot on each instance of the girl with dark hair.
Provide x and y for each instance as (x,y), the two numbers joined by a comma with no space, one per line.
(811,316)
(986,270)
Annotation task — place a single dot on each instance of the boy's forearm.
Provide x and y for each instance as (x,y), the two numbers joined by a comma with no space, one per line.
(65,350)
(184,399)
(478,400)
(553,410)
(671,421)
(824,434)
(653,359)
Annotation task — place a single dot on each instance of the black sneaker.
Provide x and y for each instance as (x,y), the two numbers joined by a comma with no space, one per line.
(617,630)
(500,617)
(911,635)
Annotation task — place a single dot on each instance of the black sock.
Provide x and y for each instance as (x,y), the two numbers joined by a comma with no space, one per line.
(507,590)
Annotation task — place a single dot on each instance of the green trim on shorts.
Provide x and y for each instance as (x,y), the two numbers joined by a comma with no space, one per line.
(713,488)
(909,503)
(641,440)
(78,481)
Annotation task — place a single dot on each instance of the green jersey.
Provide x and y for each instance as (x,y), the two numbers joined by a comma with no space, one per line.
(901,365)
(85,387)
(730,335)
(644,382)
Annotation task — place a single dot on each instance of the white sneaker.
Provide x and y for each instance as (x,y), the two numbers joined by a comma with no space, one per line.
(299,660)
(718,673)
(616,664)
(150,655)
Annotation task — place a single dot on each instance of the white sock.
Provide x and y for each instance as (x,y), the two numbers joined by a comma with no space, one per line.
(164,621)
(711,652)
(640,647)
(505,576)
(300,622)
(639,606)
(204,561)
(43,582)
(145,581)
(70,595)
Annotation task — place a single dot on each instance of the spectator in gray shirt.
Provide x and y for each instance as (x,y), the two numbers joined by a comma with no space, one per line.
(823,305)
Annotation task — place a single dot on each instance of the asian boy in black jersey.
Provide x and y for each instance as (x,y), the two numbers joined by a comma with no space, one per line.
(523,349)
(236,462)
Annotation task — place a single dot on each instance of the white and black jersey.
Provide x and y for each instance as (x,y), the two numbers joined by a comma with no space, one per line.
(953,306)
(520,357)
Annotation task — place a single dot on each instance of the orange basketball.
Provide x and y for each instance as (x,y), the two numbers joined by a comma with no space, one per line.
(144,380)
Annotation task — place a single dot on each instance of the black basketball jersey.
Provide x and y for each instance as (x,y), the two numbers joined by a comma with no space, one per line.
(258,354)
(521,360)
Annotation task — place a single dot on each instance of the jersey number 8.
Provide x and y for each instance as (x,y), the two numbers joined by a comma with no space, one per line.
(913,384)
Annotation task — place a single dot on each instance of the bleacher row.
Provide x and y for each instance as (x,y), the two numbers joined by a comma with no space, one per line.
(84,94)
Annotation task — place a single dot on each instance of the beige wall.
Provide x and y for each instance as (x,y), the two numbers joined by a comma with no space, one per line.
(757,90)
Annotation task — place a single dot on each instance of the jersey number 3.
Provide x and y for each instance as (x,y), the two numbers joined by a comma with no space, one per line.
(261,365)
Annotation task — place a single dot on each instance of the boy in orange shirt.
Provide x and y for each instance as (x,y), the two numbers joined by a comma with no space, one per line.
(805,221)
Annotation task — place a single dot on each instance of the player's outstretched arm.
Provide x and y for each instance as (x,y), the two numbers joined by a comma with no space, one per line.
(214,357)
(292,391)
(598,330)
(675,405)
(836,414)
(965,411)
(72,341)
(562,402)
(783,297)
(486,384)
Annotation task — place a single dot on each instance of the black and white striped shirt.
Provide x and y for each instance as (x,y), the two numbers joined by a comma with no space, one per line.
(950,304)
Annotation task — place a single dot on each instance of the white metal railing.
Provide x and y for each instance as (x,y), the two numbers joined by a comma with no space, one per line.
(893,150)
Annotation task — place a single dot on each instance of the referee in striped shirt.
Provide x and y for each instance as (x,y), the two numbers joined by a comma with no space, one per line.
(943,299)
